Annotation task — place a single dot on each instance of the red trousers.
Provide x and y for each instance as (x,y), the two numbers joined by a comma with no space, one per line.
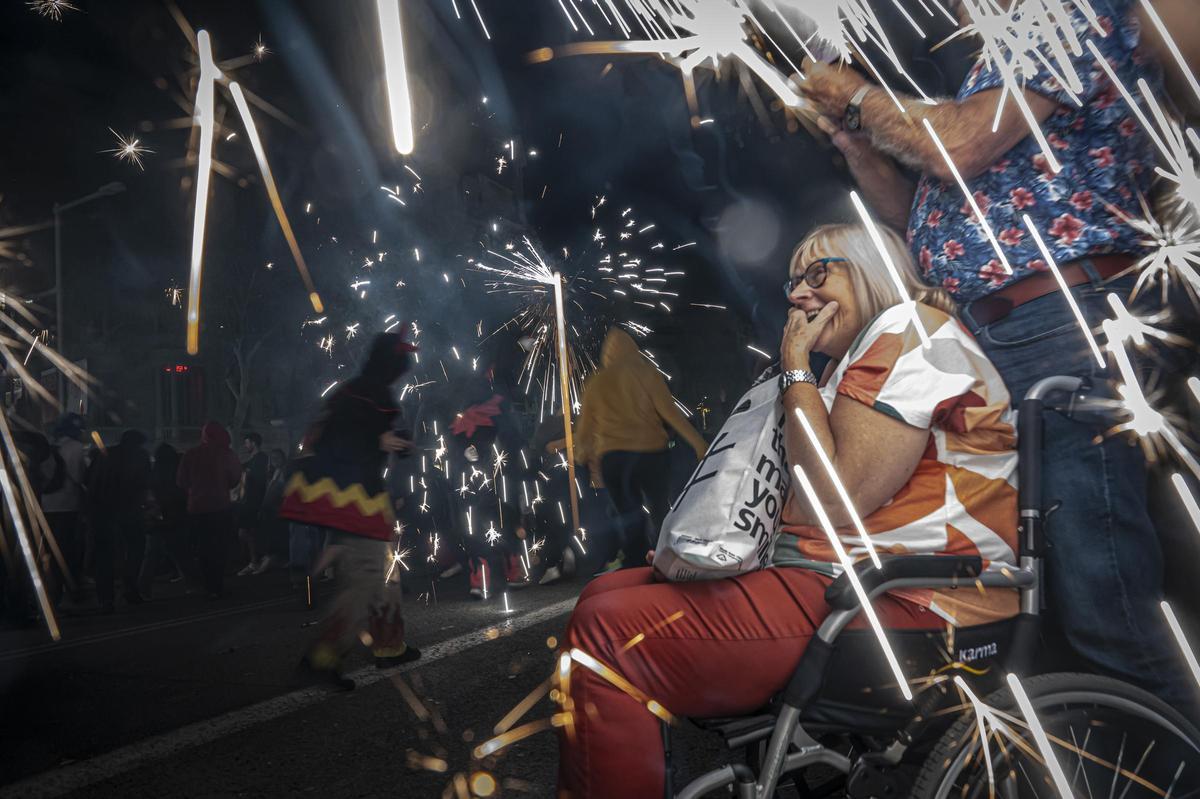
(734,646)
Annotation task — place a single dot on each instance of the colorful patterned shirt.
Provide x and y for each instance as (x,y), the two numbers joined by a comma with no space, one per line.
(1106,158)
(961,499)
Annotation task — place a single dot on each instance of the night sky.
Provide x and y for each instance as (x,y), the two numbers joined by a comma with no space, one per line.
(745,188)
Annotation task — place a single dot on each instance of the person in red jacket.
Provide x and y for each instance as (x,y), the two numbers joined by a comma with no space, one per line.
(208,473)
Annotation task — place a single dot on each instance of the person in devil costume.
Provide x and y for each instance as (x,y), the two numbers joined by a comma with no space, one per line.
(337,486)
(485,436)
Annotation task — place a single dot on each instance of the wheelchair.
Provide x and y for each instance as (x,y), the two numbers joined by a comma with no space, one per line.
(841,718)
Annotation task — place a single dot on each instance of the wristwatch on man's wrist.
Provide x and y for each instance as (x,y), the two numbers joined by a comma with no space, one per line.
(852,119)
(791,377)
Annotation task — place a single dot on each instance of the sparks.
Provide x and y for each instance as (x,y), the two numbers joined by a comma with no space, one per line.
(128,149)
(51,9)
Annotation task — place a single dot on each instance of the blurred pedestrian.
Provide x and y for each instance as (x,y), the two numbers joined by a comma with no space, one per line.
(62,505)
(547,518)
(167,531)
(485,432)
(254,485)
(118,499)
(272,530)
(623,429)
(209,473)
(337,485)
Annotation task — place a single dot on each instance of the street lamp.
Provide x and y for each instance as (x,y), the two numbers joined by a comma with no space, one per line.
(107,190)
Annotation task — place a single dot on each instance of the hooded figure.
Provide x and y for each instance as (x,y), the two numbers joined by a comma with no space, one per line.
(208,473)
(623,430)
(337,491)
(337,482)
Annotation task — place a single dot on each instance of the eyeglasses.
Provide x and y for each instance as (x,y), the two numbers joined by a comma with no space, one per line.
(814,275)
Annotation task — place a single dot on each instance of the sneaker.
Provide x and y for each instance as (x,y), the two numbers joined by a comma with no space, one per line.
(568,561)
(453,570)
(247,569)
(265,564)
(330,677)
(178,578)
(410,654)
(552,575)
(613,565)
(476,593)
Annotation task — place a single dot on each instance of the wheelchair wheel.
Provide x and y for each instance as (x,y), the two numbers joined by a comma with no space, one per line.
(1110,738)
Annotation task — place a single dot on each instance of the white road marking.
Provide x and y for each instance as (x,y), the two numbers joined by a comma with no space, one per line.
(79,775)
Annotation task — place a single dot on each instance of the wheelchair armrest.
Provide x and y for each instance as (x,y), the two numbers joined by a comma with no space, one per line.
(840,593)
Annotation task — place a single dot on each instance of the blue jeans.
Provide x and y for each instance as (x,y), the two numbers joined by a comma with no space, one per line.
(1104,561)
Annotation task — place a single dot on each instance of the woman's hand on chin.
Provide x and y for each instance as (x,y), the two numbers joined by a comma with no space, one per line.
(800,335)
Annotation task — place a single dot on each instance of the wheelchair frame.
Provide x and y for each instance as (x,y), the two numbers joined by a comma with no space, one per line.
(914,571)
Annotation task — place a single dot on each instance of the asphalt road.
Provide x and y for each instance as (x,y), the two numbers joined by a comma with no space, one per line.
(188,697)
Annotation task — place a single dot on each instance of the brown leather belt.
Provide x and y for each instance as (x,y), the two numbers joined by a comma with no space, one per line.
(1000,304)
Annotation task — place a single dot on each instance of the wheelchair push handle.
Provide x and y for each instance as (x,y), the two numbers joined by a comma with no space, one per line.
(1030,426)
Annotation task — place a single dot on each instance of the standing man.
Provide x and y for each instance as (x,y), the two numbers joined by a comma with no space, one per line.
(622,428)
(337,486)
(254,487)
(1105,562)
(119,493)
(209,473)
(62,506)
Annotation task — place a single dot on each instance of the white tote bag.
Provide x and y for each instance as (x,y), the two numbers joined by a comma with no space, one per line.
(725,521)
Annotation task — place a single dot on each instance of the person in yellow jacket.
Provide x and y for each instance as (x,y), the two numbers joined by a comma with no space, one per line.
(623,430)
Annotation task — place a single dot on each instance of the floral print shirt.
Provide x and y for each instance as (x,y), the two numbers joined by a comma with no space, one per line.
(1106,157)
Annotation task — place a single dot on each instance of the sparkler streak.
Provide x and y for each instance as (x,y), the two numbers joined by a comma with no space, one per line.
(273,193)
(205,89)
(1188,653)
(1170,42)
(852,574)
(815,444)
(22,532)
(619,682)
(399,100)
(893,271)
(1185,496)
(1066,290)
(962,184)
(1039,736)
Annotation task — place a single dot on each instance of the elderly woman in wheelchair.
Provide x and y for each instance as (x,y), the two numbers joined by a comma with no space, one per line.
(923,438)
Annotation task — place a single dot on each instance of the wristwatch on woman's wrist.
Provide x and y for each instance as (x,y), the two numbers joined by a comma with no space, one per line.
(791,377)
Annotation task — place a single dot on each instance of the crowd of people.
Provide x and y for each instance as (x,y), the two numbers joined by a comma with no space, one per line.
(343,511)
(119,514)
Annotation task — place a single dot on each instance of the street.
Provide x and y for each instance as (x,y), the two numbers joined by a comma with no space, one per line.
(188,697)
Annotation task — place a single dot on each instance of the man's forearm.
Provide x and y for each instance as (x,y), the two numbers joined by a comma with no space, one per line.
(886,190)
(904,137)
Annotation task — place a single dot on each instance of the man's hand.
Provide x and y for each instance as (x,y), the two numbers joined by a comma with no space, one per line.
(888,191)
(390,442)
(828,88)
